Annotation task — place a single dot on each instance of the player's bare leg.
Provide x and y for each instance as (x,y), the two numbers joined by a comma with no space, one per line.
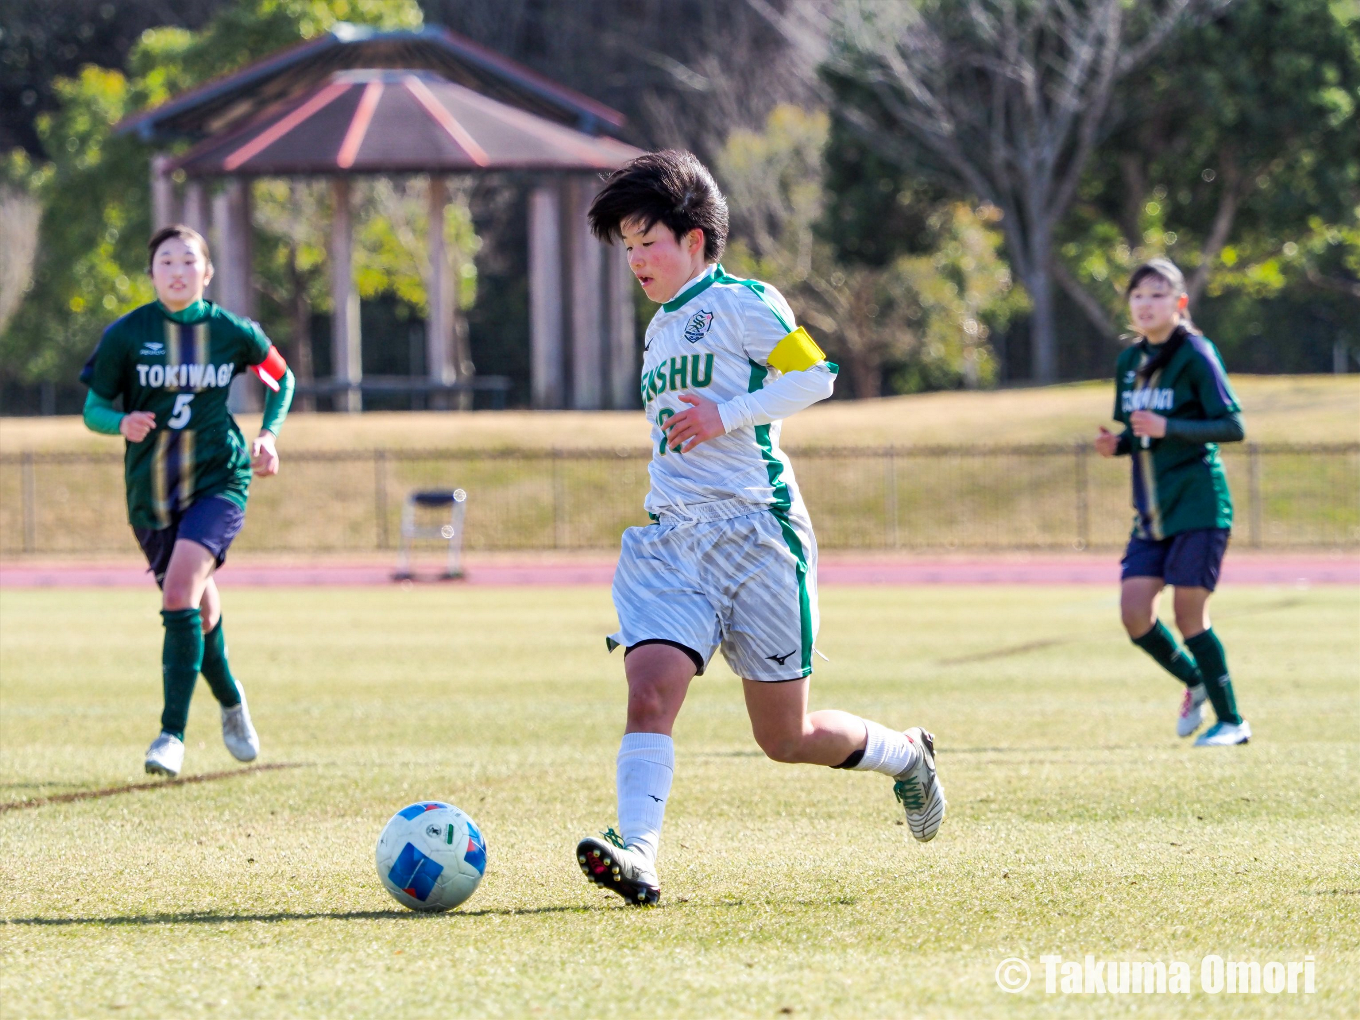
(787,732)
(659,676)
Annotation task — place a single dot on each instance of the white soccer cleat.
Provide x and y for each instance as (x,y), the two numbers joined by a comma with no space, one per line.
(1192,710)
(919,789)
(238,733)
(611,865)
(1225,734)
(165,756)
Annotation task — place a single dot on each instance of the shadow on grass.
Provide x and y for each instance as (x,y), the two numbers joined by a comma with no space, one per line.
(160,784)
(205,917)
(1034,646)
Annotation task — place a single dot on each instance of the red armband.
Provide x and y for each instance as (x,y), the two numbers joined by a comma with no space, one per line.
(271,369)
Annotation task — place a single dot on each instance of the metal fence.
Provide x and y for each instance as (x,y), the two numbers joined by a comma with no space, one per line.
(908,498)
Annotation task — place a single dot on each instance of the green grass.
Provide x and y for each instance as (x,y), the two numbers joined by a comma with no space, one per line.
(1078,822)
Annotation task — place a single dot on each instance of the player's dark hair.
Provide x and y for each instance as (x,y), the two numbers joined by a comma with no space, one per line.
(670,187)
(184,233)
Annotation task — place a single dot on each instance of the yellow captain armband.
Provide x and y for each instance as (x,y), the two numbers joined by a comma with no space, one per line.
(797,352)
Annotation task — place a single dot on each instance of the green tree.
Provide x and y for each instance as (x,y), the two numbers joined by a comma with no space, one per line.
(91,261)
(921,318)
(1237,154)
(995,101)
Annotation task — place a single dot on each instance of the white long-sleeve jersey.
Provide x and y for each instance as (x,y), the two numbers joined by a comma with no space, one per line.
(714,340)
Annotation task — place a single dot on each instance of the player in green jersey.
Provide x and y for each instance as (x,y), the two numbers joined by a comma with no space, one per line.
(1174,400)
(187,467)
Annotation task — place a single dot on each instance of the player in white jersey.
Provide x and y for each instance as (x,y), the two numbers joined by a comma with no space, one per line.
(730,560)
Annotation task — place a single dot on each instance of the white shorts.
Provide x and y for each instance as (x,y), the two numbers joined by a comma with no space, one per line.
(746,584)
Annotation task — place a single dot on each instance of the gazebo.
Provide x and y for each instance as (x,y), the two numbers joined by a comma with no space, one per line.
(358,101)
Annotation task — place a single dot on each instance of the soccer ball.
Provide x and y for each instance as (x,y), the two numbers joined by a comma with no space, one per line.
(431,856)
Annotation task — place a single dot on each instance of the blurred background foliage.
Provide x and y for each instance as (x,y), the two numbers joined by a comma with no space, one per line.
(1235,150)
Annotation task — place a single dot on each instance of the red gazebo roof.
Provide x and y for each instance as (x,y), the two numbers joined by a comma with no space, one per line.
(229,101)
(398,121)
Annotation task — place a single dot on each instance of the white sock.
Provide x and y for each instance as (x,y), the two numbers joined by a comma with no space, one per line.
(888,751)
(646,766)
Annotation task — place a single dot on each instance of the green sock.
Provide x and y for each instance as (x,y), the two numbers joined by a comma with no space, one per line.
(215,668)
(1214,665)
(181,659)
(1159,643)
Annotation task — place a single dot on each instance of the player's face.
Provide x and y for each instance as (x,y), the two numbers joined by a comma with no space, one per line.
(179,272)
(1155,307)
(662,262)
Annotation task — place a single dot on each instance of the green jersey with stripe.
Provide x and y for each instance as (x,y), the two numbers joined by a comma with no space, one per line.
(179,366)
(714,340)
(1177,486)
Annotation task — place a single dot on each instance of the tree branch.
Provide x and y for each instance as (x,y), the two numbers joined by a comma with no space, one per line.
(1331,283)
(1221,229)
(1095,312)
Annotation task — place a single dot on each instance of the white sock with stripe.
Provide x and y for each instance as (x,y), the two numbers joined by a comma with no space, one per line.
(887,751)
(646,765)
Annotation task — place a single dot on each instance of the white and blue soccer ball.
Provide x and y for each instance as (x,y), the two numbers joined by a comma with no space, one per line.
(431,856)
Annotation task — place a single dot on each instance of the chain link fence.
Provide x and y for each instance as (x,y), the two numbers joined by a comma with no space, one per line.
(905,498)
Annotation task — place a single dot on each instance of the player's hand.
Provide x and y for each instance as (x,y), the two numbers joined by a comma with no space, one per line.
(700,423)
(1147,423)
(263,457)
(136,424)
(1106,442)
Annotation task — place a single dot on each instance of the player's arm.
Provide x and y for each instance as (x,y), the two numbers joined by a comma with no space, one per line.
(807,378)
(102,373)
(100,415)
(1222,422)
(1108,444)
(278,380)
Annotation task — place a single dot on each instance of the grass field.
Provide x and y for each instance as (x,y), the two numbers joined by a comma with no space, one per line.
(1078,823)
(1278,409)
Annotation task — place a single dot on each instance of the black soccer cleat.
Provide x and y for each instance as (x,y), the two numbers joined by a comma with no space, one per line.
(611,865)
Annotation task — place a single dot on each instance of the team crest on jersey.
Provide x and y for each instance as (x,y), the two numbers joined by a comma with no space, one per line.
(1129,377)
(697,328)
(151,349)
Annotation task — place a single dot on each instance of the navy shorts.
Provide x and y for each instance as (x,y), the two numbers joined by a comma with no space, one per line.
(211,522)
(1191,559)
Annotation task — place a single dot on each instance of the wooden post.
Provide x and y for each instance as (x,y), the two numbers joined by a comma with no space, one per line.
(162,193)
(439,360)
(231,216)
(621,365)
(346,343)
(546,314)
(198,215)
(586,272)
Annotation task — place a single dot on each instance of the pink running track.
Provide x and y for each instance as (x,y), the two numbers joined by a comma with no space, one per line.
(1285,569)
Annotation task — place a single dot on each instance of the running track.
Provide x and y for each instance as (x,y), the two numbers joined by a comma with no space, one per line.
(1293,570)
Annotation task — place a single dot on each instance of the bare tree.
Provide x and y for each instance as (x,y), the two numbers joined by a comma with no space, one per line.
(19,217)
(1002,100)
(686,72)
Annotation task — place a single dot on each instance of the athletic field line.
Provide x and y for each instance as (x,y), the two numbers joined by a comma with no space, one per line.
(206,777)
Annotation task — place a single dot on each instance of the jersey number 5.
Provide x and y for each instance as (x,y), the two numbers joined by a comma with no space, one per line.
(180,416)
